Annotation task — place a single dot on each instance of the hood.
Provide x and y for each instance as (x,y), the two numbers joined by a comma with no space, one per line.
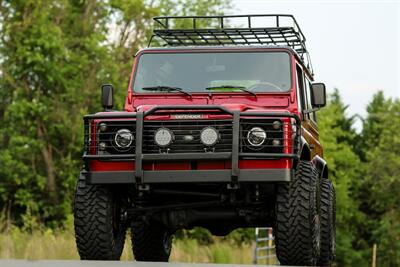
(230,102)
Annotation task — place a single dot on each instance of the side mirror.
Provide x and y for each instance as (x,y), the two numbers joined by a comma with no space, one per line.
(318,95)
(107,96)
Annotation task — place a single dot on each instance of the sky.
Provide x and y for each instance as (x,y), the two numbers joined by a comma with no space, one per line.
(354,45)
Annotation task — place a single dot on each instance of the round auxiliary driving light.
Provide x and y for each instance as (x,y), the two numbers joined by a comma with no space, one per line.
(102,146)
(163,137)
(102,127)
(276,142)
(256,136)
(123,138)
(209,136)
(276,125)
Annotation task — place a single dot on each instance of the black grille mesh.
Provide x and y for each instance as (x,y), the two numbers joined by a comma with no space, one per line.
(187,128)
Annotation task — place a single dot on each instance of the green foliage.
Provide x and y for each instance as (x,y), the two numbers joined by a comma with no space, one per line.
(204,237)
(381,188)
(364,168)
(46,65)
(344,168)
(54,55)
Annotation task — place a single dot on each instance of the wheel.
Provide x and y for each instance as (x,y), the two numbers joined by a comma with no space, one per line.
(151,241)
(328,223)
(98,221)
(297,223)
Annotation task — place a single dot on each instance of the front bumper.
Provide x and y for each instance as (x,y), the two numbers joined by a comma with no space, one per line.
(233,175)
(188,176)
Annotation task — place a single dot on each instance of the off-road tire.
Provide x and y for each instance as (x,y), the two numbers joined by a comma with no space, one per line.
(151,241)
(297,229)
(99,233)
(328,223)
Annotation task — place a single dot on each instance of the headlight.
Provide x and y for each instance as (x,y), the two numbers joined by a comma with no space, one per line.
(123,138)
(163,137)
(256,136)
(209,136)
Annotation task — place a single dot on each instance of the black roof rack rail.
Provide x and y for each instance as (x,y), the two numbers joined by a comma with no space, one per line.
(277,29)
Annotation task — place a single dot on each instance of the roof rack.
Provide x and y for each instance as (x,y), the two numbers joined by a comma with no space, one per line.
(277,29)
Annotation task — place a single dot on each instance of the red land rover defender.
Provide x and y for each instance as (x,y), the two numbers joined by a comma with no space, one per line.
(219,131)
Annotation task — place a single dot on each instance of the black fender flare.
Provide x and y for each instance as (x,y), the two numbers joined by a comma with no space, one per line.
(82,175)
(305,151)
(321,166)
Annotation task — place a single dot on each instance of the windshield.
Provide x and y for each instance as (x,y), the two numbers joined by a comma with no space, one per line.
(205,71)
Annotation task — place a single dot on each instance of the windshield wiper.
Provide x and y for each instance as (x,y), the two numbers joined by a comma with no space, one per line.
(166,88)
(241,88)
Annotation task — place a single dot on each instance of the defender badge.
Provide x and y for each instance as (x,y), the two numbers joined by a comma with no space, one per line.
(188,116)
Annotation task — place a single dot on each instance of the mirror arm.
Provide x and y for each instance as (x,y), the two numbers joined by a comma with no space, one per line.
(306,111)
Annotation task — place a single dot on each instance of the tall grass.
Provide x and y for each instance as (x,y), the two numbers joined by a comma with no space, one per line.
(189,250)
(16,243)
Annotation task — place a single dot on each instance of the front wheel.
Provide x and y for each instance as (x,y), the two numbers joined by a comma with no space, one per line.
(99,227)
(297,229)
(151,241)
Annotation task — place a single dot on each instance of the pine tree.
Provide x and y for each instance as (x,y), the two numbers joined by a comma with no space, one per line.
(381,185)
(337,135)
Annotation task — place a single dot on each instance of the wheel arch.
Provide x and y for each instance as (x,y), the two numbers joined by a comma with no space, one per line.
(321,165)
(305,151)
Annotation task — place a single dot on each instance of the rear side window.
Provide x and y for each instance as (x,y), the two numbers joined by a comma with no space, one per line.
(313,116)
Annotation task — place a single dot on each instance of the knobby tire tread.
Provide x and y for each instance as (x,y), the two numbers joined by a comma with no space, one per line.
(93,223)
(328,223)
(297,226)
(148,241)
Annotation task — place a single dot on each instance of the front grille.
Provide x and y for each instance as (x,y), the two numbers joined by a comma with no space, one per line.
(181,129)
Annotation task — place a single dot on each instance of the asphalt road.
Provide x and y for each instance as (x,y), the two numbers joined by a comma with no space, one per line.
(71,263)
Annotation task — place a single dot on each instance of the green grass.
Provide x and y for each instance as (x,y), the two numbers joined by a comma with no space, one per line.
(47,244)
(38,244)
(189,250)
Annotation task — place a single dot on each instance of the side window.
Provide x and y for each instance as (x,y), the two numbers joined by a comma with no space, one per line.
(300,89)
(309,106)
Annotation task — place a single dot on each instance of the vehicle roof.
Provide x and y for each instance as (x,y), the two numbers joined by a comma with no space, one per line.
(220,47)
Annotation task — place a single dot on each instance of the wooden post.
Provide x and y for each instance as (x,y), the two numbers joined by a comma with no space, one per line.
(374,255)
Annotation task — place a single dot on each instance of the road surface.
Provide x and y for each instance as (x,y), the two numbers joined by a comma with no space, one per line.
(72,263)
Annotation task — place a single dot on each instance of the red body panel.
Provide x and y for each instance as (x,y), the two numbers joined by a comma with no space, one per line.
(202,165)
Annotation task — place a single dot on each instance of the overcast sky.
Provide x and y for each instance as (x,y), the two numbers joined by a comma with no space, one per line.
(354,45)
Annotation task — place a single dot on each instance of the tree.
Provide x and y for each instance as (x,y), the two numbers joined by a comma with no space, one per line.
(337,133)
(51,51)
(54,55)
(381,187)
